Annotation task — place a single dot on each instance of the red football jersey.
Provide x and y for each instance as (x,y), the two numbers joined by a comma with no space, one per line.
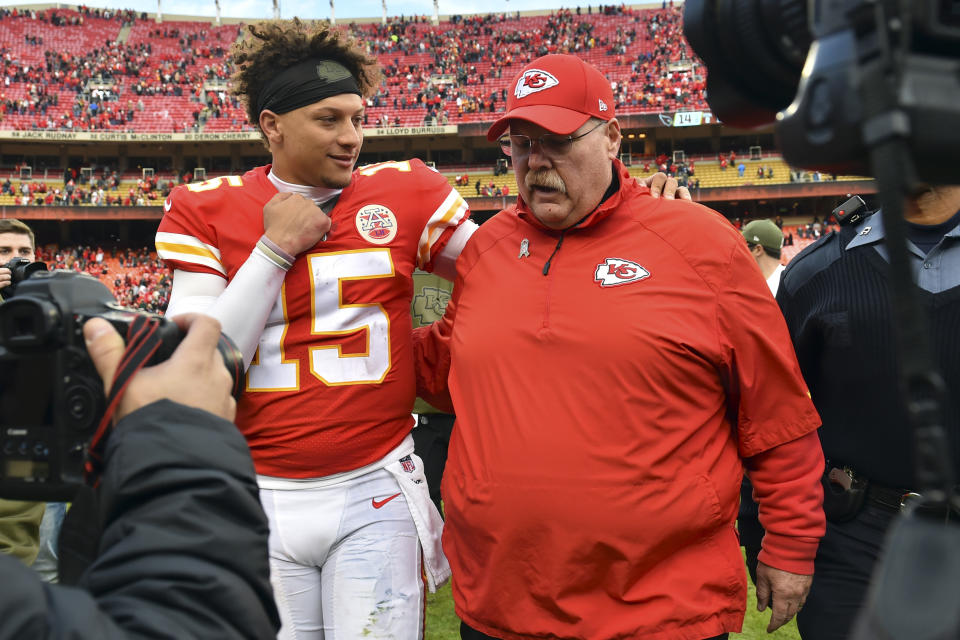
(331,386)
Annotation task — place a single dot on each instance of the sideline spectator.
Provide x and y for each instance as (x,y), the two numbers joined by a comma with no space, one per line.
(765,241)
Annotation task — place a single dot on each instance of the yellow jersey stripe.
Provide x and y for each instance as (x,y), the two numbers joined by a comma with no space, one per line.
(449,214)
(168,247)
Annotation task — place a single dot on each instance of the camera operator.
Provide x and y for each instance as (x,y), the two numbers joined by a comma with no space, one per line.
(35,542)
(834,297)
(19,521)
(16,241)
(183,553)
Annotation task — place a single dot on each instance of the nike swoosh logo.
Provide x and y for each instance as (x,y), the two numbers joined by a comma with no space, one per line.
(378,504)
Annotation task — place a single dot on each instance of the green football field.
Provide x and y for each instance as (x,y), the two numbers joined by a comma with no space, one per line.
(443,624)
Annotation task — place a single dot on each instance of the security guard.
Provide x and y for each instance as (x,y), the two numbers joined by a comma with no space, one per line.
(835,300)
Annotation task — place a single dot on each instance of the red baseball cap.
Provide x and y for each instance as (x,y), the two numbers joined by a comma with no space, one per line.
(558,92)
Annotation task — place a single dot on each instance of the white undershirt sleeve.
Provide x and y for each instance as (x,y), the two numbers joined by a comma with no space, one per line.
(193,292)
(445,264)
(242,306)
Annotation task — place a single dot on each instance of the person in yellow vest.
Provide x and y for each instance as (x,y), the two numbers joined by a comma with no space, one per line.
(20,529)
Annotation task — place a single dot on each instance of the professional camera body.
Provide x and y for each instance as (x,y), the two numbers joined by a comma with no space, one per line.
(20,269)
(837,76)
(51,397)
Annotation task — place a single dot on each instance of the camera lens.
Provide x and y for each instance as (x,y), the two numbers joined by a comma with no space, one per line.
(772,36)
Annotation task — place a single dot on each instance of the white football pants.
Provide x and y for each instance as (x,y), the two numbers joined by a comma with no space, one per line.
(345,561)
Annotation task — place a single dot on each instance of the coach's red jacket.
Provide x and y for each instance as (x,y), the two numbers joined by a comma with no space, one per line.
(606,405)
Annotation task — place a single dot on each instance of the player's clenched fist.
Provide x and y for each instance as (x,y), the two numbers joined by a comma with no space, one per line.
(294,222)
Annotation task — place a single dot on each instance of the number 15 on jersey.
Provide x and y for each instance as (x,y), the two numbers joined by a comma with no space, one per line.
(329,318)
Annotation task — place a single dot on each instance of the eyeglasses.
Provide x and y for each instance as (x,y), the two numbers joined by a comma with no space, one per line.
(551,144)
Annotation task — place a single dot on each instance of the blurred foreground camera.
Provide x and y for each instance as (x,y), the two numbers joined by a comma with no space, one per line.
(838,76)
(51,397)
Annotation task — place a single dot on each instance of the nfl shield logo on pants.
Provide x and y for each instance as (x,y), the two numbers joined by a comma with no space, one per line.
(407,463)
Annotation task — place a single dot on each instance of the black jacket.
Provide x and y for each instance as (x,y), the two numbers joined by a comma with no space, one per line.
(836,304)
(184,548)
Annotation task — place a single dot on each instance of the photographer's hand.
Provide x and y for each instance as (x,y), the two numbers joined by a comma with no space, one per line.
(194,375)
(4,277)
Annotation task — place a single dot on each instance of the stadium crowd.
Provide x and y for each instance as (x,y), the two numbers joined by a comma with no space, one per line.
(100,188)
(137,278)
(684,170)
(104,87)
(125,17)
(174,76)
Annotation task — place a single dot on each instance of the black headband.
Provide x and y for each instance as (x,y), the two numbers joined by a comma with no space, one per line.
(305,83)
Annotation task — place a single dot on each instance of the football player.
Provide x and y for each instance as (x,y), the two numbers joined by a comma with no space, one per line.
(308,265)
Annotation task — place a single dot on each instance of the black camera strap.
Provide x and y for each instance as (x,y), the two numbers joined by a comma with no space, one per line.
(143,340)
(80,535)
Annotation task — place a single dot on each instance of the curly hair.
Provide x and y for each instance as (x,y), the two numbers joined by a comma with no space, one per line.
(274,45)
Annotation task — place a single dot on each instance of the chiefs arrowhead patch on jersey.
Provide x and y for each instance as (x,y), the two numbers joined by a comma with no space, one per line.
(376,223)
(617,271)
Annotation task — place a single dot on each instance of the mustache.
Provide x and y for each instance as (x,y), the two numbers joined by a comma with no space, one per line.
(545,178)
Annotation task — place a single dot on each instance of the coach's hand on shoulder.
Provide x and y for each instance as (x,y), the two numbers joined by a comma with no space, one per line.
(783,591)
(294,222)
(662,186)
(194,375)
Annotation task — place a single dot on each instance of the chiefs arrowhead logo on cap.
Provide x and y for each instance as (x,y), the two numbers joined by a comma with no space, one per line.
(617,271)
(534,80)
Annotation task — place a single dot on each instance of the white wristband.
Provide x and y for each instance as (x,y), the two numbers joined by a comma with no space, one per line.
(274,253)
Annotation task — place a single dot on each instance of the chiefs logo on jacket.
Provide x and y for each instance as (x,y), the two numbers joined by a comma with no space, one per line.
(616,271)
